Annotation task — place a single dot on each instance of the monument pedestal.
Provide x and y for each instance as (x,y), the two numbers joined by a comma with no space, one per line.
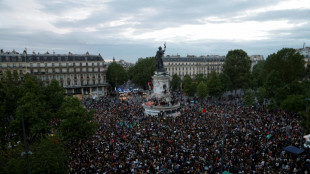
(161,85)
(160,93)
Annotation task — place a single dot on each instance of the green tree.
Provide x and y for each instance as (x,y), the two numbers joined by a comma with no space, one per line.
(31,106)
(257,74)
(142,72)
(189,86)
(199,78)
(175,82)
(214,85)
(54,95)
(225,82)
(294,103)
(261,94)
(202,91)
(77,123)
(288,63)
(273,83)
(249,98)
(49,156)
(116,74)
(237,67)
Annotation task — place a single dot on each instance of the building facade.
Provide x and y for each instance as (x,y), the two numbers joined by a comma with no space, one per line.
(255,59)
(78,74)
(192,65)
(305,51)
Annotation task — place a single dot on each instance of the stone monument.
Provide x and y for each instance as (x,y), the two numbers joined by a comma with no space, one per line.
(161,90)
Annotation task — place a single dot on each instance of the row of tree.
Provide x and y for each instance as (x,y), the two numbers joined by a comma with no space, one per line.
(50,120)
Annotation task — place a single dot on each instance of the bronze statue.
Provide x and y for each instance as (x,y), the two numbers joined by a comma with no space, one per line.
(159,65)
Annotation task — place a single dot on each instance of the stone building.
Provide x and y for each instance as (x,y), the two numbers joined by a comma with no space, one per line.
(255,59)
(192,65)
(305,51)
(79,74)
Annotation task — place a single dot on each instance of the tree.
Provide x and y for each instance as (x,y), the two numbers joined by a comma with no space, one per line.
(30,107)
(288,63)
(54,95)
(199,78)
(257,74)
(189,86)
(76,123)
(175,82)
(202,91)
(273,83)
(261,94)
(214,85)
(294,103)
(249,98)
(142,72)
(225,82)
(49,156)
(116,74)
(237,67)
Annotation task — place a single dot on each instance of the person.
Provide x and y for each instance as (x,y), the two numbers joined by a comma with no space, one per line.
(159,65)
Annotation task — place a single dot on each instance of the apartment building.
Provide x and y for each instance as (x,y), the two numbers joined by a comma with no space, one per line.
(192,65)
(79,74)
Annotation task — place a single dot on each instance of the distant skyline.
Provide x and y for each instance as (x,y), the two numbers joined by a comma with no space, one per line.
(133,29)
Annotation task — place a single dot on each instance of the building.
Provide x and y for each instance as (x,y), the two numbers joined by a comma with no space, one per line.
(305,51)
(192,65)
(255,59)
(79,74)
(123,63)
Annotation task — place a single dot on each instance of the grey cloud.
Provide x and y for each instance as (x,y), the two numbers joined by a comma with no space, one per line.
(293,15)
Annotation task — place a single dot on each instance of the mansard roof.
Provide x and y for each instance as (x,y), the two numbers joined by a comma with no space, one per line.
(10,57)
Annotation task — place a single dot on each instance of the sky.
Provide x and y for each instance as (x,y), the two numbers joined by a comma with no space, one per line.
(132,29)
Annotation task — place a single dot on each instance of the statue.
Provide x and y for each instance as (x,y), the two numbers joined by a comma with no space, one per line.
(159,65)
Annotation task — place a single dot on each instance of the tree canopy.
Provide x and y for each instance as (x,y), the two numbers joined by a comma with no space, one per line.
(142,72)
(45,111)
(237,67)
(116,74)
(175,82)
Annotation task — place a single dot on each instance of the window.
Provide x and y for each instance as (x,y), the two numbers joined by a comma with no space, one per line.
(8,65)
(0,65)
(14,65)
(20,65)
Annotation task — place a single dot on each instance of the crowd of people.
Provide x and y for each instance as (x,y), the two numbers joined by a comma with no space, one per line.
(226,137)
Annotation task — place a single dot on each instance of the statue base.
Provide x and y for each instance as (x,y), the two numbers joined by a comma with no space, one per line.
(160,93)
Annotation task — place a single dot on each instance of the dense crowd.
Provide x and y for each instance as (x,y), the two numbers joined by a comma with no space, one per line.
(228,136)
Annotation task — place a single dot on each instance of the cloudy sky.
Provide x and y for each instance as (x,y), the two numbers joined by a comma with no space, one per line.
(130,29)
